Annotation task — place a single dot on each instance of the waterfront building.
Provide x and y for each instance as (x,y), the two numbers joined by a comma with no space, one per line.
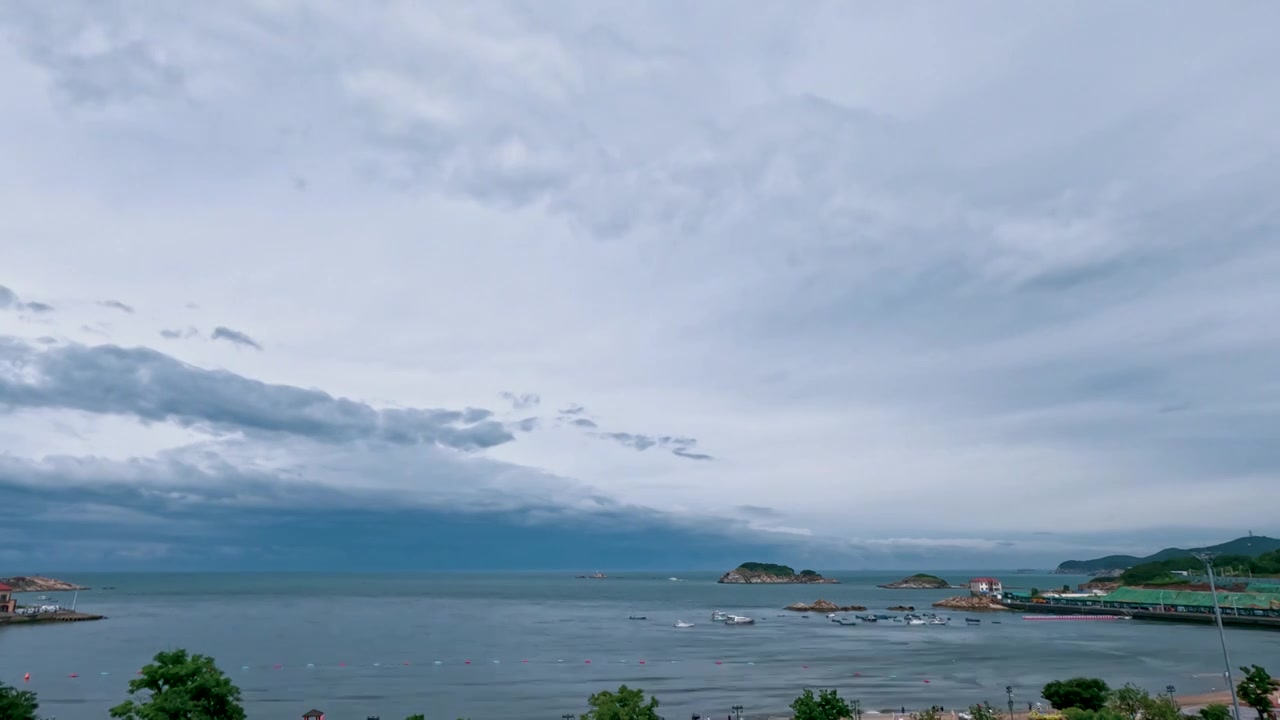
(7,603)
(985,586)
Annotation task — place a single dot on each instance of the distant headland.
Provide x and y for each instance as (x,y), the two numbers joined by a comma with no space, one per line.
(36,583)
(1249,546)
(752,573)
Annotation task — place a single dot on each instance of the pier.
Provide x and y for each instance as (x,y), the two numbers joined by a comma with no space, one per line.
(1166,615)
(64,616)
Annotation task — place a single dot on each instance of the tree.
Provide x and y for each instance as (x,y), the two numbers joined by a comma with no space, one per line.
(1215,712)
(1083,693)
(1256,689)
(1129,701)
(826,705)
(419,716)
(17,704)
(1161,707)
(626,704)
(983,712)
(182,687)
(1103,714)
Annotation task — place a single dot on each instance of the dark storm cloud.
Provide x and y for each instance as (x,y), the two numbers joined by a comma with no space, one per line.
(117,305)
(521,401)
(150,385)
(9,300)
(234,336)
(179,334)
(584,422)
(679,446)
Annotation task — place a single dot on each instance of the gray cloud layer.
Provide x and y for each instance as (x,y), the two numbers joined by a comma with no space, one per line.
(234,336)
(9,300)
(150,385)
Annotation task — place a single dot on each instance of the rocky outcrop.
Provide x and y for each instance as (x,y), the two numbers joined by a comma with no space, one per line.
(919,581)
(825,606)
(757,573)
(36,583)
(903,608)
(969,602)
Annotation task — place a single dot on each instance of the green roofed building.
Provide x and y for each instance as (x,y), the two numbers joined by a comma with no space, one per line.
(1192,600)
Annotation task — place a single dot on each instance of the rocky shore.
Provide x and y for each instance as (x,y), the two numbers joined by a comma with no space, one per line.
(824,606)
(919,581)
(968,602)
(35,583)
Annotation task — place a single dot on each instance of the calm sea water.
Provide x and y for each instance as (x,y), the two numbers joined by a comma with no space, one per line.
(392,645)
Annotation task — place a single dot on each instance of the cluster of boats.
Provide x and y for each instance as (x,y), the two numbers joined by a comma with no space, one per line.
(724,618)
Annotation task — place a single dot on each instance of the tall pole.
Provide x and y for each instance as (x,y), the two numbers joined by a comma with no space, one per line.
(1207,559)
(737,711)
(1008,690)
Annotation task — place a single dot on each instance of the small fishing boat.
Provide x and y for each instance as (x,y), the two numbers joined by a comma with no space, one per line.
(683,624)
(637,617)
(843,621)
(739,620)
(719,616)
(831,616)
(972,621)
(939,621)
(916,621)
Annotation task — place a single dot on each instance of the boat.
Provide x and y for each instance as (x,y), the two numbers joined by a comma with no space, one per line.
(718,616)
(739,620)
(972,621)
(683,624)
(597,575)
(674,579)
(43,597)
(884,617)
(637,617)
(831,616)
(916,621)
(842,621)
(938,621)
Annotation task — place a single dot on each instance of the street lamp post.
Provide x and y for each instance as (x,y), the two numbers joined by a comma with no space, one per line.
(1207,559)
(1171,690)
(857,709)
(737,711)
(566,716)
(1008,690)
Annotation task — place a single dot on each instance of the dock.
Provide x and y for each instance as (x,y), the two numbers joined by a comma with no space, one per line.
(1228,619)
(65,616)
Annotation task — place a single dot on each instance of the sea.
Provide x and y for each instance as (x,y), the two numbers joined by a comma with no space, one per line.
(537,645)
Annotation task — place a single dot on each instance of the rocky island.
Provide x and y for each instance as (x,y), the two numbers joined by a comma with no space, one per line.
(36,583)
(767,573)
(825,606)
(969,602)
(919,581)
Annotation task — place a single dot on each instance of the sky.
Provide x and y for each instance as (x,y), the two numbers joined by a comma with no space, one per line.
(603,285)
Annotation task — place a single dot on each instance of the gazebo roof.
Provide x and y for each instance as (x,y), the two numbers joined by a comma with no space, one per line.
(313,714)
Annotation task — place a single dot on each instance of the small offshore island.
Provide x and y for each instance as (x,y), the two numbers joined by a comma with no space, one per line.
(919,581)
(767,573)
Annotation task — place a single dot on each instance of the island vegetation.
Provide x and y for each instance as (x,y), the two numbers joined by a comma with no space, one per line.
(758,572)
(36,583)
(919,581)
(1161,572)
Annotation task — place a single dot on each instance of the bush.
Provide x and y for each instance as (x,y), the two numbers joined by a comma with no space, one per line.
(826,705)
(1215,712)
(1083,693)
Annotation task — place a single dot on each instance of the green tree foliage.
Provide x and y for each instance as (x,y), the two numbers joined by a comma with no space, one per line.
(826,705)
(1129,701)
(1083,693)
(1161,572)
(419,716)
(1256,689)
(626,704)
(182,687)
(1082,714)
(1215,712)
(983,712)
(1161,707)
(17,704)
(767,568)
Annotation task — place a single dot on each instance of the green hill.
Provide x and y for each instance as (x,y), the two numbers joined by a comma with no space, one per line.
(1250,546)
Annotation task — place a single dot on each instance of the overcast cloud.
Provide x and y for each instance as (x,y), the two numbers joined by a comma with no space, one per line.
(1008,267)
